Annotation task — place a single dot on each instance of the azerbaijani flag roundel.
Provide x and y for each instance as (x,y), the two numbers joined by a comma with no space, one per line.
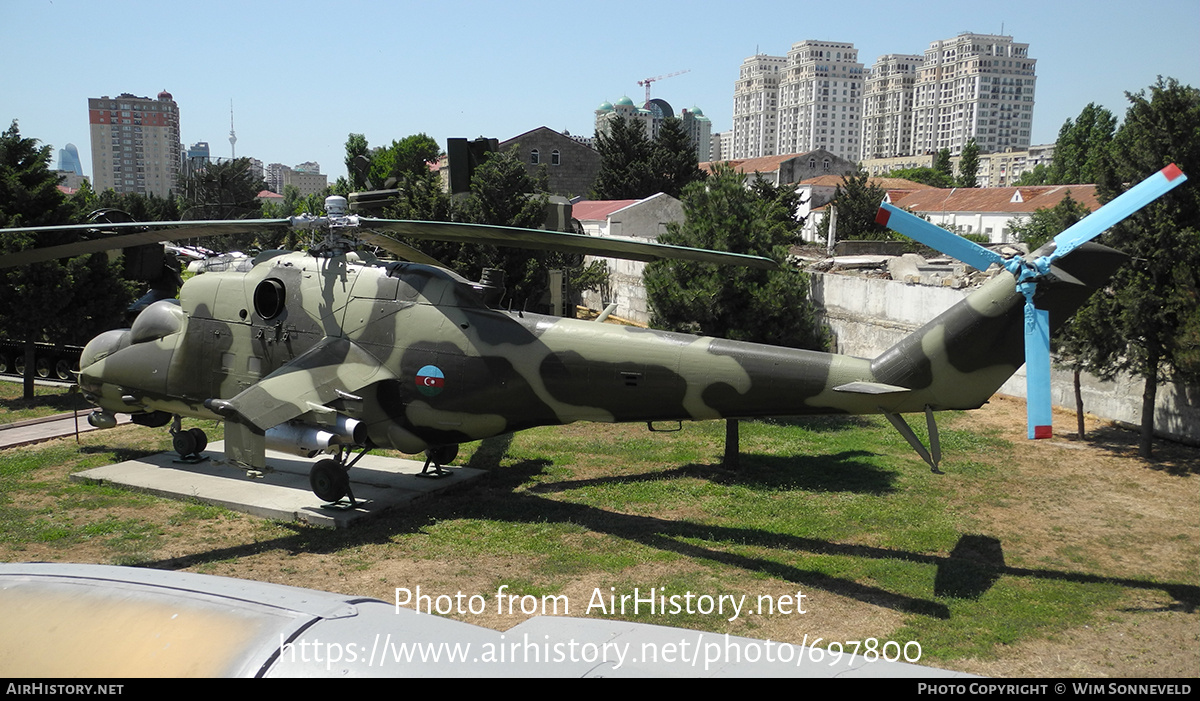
(430,380)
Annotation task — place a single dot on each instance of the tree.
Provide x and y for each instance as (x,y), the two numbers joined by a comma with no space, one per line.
(673,161)
(857,202)
(941,163)
(1038,176)
(968,166)
(1152,306)
(357,162)
(634,167)
(410,156)
(926,176)
(746,304)
(67,301)
(223,190)
(1048,222)
(624,162)
(1081,153)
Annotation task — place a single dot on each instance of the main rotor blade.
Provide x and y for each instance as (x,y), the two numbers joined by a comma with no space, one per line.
(936,237)
(158,232)
(1126,204)
(1038,409)
(539,239)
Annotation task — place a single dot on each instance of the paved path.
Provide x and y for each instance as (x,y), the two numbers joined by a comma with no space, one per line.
(46,428)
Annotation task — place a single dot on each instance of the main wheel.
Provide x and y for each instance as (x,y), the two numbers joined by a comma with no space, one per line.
(328,480)
(201,439)
(184,443)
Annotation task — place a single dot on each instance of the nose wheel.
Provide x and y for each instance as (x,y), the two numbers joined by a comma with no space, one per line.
(330,478)
(329,481)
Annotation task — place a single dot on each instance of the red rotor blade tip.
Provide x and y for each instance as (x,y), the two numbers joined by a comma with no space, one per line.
(882,217)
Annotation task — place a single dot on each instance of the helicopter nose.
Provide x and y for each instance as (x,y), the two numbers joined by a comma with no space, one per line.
(96,350)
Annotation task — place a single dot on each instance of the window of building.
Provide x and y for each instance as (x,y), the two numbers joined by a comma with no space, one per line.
(535,157)
(555,158)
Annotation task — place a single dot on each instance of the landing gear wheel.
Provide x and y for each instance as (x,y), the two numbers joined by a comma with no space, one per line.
(184,443)
(200,438)
(329,480)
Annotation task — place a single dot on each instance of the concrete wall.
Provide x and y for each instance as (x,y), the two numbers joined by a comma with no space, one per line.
(869,315)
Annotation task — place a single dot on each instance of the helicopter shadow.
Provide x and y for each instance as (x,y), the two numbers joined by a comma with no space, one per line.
(837,472)
(506,494)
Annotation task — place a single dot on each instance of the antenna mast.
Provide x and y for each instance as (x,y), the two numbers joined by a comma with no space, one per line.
(232,136)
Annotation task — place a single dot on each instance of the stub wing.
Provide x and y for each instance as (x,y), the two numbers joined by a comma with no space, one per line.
(333,369)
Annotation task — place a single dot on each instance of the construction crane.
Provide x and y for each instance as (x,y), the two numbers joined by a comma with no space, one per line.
(648,81)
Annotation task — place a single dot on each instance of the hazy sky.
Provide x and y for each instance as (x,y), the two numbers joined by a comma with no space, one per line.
(302,75)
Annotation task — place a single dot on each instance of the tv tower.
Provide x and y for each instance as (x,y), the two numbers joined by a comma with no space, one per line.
(232,135)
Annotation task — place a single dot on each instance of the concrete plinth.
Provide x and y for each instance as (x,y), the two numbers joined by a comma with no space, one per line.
(379,484)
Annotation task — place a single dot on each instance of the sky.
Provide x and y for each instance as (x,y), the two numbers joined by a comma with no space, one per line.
(302,75)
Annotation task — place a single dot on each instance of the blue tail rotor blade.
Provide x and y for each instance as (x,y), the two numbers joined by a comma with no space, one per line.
(1037,371)
(1129,202)
(936,237)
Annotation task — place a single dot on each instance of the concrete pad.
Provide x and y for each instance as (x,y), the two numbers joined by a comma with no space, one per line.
(378,483)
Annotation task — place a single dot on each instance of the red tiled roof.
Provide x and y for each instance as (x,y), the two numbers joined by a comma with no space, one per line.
(996,199)
(885,183)
(598,210)
(762,164)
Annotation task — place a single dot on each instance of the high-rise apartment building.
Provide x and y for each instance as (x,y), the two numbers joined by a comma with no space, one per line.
(974,86)
(820,99)
(135,143)
(887,106)
(756,107)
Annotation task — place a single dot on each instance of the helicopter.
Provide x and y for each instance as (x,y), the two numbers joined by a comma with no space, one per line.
(333,351)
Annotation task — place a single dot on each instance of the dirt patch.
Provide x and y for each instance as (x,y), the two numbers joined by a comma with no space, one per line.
(1100,507)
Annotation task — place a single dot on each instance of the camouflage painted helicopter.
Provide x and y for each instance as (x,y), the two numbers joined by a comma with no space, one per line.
(334,351)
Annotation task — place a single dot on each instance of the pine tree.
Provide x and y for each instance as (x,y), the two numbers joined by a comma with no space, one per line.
(968,166)
(746,304)
(1081,152)
(624,162)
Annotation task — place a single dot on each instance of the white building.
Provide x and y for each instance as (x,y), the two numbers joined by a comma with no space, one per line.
(887,106)
(820,99)
(974,86)
(756,107)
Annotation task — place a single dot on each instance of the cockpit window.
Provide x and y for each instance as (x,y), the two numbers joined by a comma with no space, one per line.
(156,321)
